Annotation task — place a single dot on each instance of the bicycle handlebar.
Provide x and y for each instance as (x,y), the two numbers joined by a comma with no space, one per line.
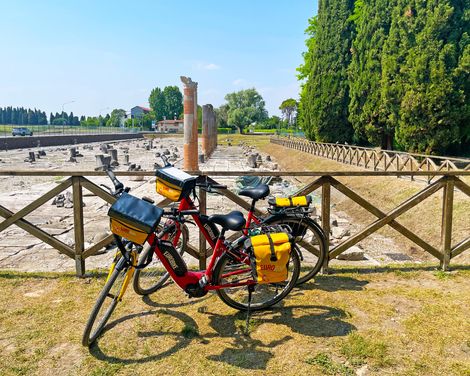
(118,186)
(165,161)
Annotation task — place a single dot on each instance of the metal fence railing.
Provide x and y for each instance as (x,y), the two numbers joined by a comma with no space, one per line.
(46,130)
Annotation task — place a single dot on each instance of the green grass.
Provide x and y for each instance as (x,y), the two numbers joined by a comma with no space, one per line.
(328,366)
(357,317)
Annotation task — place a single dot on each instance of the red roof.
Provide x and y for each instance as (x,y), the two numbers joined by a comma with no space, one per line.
(144,108)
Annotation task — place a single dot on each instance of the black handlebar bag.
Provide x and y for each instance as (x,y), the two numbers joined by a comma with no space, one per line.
(134,219)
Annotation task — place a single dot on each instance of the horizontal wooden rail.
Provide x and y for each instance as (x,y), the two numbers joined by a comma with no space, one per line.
(238,173)
(325,181)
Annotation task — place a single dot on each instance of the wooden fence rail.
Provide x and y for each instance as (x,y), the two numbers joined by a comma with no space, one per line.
(325,181)
(374,158)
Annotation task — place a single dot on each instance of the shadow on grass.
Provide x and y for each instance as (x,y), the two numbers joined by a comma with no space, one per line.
(333,283)
(6,274)
(182,340)
(248,353)
(153,303)
(313,321)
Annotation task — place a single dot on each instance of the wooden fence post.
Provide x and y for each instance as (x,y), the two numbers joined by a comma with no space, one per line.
(78,226)
(202,239)
(325,219)
(446,229)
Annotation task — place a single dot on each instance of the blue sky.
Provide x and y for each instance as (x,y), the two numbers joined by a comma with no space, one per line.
(110,54)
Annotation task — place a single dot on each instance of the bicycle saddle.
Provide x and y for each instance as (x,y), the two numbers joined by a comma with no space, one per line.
(232,221)
(256,193)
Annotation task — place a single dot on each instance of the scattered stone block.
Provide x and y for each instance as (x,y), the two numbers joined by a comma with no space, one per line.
(114,157)
(339,233)
(252,161)
(352,254)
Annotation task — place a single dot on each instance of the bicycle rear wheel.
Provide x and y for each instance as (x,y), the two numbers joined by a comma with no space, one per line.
(264,295)
(309,239)
(153,276)
(107,300)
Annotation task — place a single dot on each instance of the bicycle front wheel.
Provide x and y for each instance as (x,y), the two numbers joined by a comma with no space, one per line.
(228,270)
(153,276)
(108,299)
(309,239)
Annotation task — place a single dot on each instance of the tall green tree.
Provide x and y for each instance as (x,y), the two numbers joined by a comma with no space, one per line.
(326,96)
(245,107)
(157,103)
(289,108)
(431,113)
(372,20)
(166,103)
(221,116)
(173,102)
(116,118)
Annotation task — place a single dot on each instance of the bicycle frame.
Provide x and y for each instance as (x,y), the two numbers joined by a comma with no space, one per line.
(219,248)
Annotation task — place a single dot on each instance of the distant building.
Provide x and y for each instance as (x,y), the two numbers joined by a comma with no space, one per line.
(139,111)
(170,126)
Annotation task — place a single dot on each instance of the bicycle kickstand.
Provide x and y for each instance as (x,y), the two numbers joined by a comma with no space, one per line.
(251,288)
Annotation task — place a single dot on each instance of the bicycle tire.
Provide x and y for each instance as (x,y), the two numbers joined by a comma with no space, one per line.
(264,295)
(91,333)
(310,240)
(153,276)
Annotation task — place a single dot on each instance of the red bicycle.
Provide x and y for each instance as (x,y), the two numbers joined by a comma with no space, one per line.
(229,273)
(309,238)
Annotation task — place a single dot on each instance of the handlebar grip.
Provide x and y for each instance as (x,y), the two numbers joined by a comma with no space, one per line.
(189,212)
(218,186)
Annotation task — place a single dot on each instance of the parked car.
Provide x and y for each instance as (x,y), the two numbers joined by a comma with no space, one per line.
(21,132)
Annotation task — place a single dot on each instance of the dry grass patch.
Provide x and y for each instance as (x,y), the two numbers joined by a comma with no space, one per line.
(376,319)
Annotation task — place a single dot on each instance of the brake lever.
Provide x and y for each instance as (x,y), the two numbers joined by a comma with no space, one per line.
(108,188)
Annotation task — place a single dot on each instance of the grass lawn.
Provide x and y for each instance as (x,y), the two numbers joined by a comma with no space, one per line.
(390,321)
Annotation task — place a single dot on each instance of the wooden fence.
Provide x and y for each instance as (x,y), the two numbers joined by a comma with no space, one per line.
(375,159)
(323,181)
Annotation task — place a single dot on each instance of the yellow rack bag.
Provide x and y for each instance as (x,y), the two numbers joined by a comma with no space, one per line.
(174,183)
(285,202)
(271,254)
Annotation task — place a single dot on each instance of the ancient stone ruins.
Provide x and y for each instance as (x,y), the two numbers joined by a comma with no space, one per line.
(209,128)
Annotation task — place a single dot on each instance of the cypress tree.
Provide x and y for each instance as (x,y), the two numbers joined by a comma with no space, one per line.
(372,23)
(430,109)
(325,101)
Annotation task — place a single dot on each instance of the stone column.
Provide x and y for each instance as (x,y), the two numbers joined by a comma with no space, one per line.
(190,146)
(206,134)
(214,132)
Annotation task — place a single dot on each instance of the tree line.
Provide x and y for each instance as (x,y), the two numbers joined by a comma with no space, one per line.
(22,116)
(388,73)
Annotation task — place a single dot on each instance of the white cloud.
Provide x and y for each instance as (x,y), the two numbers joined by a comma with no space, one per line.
(211,66)
(207,66)
(240,82)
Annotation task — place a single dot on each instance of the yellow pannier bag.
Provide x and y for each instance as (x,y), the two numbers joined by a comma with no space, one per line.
(285,202)
(174,183)
(271,254)
(129,232)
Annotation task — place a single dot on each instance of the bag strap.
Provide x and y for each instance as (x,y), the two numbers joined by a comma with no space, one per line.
(273,257)
(290,201)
